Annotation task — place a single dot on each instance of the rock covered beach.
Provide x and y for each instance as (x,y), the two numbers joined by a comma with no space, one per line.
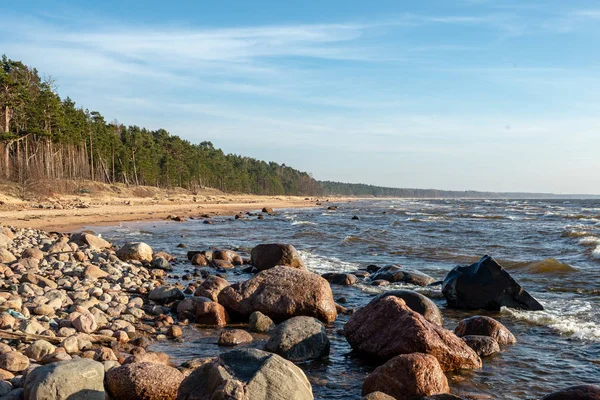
(78,315)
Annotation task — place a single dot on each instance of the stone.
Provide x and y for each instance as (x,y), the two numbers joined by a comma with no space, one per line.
(387,327)
(199,260)
(84,320)
(395,273)
(266,256)
(246,374)
(77,379)
(143,381)
(211,313)
(14,361)
(6,257)
(259,322)
(161,263)
(419,303)
(485,326)
(5,388)
(281,293)
(299,339)
(32,252)
(87,239)
(135,252)
(166,294)
(408,377)
(233,337)
(580,392)
(174,331)
(484,346)
(227,255)
(94,272)
(486,285)
(39,349)
(340,279)
(211,287)
(5,240)
(377,396)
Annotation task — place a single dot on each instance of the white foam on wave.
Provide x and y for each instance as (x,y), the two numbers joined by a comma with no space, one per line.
(589,241)
(566,318)
(596,252)
(303,223)
(321,264)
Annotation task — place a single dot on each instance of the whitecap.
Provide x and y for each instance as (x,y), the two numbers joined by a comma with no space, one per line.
(596,253)
(589,241)
(321,264)
(303,223)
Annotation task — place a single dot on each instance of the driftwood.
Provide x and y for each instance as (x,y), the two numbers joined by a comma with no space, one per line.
(32,337)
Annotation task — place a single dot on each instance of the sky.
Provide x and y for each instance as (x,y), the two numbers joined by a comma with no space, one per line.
(464,94)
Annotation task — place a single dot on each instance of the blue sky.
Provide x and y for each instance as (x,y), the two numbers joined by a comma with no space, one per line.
(472,94)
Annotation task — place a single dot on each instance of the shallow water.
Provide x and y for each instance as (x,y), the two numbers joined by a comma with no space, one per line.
(551,247)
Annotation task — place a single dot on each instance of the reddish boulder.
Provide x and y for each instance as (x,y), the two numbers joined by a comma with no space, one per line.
(143,381)
(485,326)
(265,256)
(408,377)
(387,327)
(211,287)
(211,313)
(580,392)
(281,293)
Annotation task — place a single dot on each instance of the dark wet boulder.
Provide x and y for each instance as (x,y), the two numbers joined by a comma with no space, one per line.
(211,313)
(79,379)
(281,293)
(227,255)
(408,377)
(580,392)
(419,303)
(387,327)
(340,278)
(486,285)
(265,256)
(485,326)
(246,374)
(484,346)
(143,381)
(299,339)
(395,273)
(211,287)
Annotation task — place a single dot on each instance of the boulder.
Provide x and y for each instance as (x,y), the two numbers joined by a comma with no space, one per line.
(39,349)
(483,345)
(143,381)
(485,285)
(580,392)
(135,252)
(377,396)
(387,327)
(32,252)
(281,293)
(87,239)
(395,273)
(199,259)
(340,279)
(408,377)
(259,322)
(211,313)
(233,337)
(94,272)
(6,257)
(14,361)
(166,294)
(299,339)
(246,374)
(5,241)
(485,326)
(211,287)
(161,263)
(78,379)
(419,303)
(265,256)
(227,255)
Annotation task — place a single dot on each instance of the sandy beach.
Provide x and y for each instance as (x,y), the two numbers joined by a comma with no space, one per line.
(109,205)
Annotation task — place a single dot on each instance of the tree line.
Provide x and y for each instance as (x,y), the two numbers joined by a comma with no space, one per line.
(45,137)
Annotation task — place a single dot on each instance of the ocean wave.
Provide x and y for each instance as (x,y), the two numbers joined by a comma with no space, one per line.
(547,266)
(568,322)
(304,223)
(321,264)
(575,233)
(589,241)
(596,253)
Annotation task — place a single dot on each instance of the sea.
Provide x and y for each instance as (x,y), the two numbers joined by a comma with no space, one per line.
(551,247)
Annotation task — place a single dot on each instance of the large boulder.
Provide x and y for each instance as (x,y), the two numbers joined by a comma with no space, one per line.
(408,377)
(483,345)
(6,257)
(246,374)
(211,313)
(5,240)
(281,293)
(87,239)
(486,285)
(299,339)
(485,326)
(14,361)
(395,273)
(580,392)
(265,256)
(135,252)
(78,379)
(143,381)
(419,303)
(387,327)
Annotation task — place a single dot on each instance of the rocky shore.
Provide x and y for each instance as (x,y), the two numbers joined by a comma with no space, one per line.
(77,316)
